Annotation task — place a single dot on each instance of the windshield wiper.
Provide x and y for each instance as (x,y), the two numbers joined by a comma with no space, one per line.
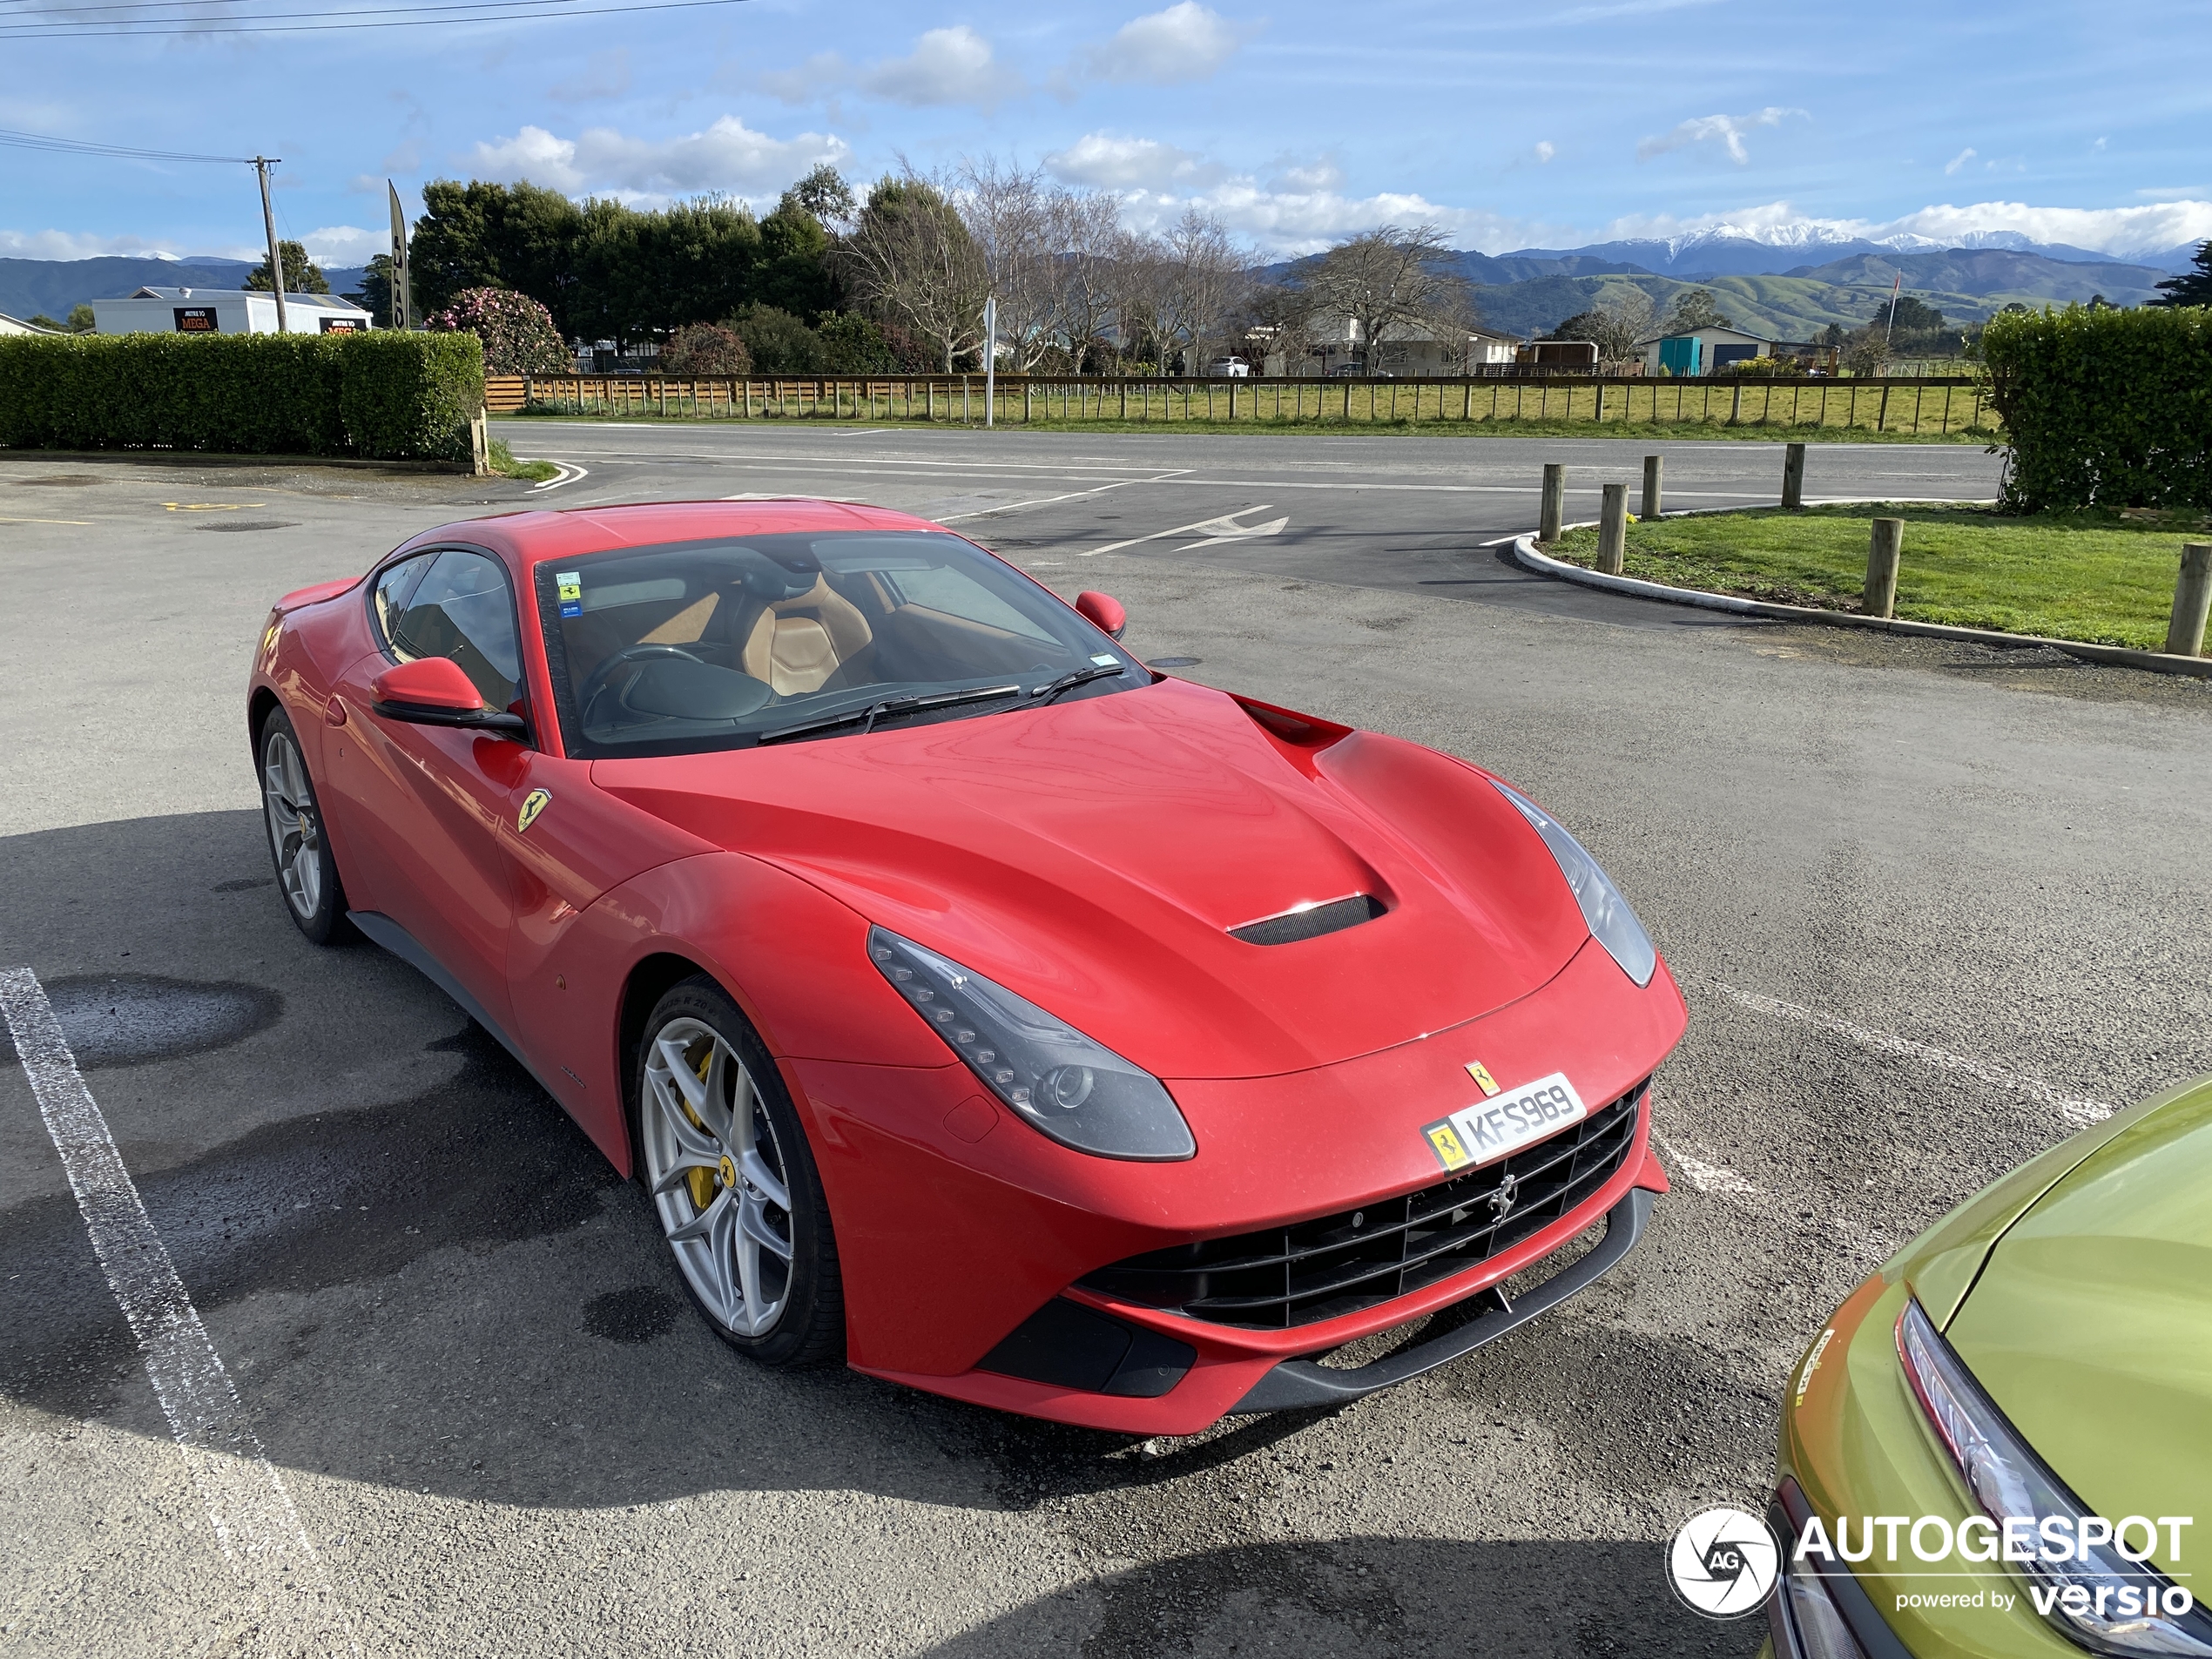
(1069,682)
(868,714)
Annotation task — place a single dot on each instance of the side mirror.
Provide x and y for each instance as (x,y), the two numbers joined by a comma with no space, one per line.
(1102,612)
(433,690)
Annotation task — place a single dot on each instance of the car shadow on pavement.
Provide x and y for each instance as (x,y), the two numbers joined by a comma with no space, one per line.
(1366,1594)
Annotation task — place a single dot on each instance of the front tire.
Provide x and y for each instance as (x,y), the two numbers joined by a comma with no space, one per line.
(307,874)
(722,1154)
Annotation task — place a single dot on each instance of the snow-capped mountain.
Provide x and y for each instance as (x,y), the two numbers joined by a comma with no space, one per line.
(1769,248)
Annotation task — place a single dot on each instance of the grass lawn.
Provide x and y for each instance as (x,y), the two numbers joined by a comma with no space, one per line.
(2092,577)
(503,463)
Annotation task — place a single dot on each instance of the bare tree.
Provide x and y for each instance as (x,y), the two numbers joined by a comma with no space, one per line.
(1206,276)
(1385,282)
(913,261)
(1087,233)
(1140,281)
(1009,214)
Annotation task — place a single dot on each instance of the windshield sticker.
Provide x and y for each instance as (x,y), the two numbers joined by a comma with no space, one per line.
(1105,661)
(569,585)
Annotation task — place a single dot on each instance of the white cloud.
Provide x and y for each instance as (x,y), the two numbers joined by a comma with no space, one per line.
(1184,43)
(605,75)
(1105,162)
(946,66)
(728,156)
(1958,161)
(346,245)
(1545,150)
(72,245)
(1727,129)
(1290,222)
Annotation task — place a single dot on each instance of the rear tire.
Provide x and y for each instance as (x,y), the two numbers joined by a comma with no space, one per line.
(722,1155)
(307,874)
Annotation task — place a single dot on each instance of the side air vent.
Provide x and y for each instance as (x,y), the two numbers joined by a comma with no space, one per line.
(1309,921)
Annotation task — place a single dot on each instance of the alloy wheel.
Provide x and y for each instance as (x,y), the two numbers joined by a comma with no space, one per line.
(717,1176)
(295,831)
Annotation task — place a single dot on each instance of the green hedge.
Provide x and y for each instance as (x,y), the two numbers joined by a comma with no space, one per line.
(380,396)
(2104,407)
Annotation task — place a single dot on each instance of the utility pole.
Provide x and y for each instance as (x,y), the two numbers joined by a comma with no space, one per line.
(261,165)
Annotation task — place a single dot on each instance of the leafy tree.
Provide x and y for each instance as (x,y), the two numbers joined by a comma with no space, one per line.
(780,343)
(1694,309)
(825,194)
(705,348)
(300,276)
(1913,316)
(375,294)
(481,235)
(689,263)
(42,321)
(81,319)
(794,273)
(912,262)
(2191,287)
(856,346)
(517,332)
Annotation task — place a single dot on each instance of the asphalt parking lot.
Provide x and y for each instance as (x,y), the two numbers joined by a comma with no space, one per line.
(1933,907)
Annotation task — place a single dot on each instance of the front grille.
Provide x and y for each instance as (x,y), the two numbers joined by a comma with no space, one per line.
(1337,1265)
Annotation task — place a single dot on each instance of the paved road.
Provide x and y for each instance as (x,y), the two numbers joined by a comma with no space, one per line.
(1925,900)
(1383,512)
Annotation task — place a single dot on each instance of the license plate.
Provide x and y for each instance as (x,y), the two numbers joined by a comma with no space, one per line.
(1513,1118)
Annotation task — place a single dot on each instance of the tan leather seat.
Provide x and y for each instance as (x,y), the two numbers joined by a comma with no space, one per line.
(796,644)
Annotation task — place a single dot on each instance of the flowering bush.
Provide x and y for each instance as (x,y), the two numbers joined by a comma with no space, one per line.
(705,348)
(518,333)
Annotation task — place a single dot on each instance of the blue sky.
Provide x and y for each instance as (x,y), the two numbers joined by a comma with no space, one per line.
(1547,123)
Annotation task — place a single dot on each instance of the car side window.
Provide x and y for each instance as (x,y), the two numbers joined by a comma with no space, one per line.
(390,595)
(460,608)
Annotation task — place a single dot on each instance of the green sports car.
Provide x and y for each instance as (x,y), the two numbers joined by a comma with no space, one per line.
(2001,1444)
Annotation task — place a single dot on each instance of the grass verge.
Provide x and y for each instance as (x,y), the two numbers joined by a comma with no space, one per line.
(503,463)
(2097,577)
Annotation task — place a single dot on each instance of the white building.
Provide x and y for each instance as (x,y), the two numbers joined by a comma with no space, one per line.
(18,326)
(1333,345)
(1717,348)
(226,310)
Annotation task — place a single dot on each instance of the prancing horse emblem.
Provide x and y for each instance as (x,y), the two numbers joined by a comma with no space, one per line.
(1502,1201)
(533,804)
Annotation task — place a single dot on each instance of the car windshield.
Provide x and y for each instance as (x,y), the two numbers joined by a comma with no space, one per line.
(726,643)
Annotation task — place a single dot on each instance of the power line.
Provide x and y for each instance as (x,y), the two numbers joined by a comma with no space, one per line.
(34,16)
(523,10)
(121,152)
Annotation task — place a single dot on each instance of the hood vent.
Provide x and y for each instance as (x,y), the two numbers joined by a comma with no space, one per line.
(1309,921)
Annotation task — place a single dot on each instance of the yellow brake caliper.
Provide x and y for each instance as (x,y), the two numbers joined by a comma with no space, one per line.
(702,1183)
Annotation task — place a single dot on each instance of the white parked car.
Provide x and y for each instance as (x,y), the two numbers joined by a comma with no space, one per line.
(1234,368)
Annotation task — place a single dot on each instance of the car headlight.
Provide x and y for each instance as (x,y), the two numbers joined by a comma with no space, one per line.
(1077,1091)
(1611,922)
(2110,1589)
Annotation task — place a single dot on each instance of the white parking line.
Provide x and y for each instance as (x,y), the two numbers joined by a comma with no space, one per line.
(1047,501)
(570,473)
(2020,1082)
(1706,1178)
(255,1522)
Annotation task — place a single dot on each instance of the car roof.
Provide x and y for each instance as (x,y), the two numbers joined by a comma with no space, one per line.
(536,537)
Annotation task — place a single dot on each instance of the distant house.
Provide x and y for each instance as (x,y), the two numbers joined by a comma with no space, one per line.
(1333,345)
(226,310)
(18,326)
(1701,351)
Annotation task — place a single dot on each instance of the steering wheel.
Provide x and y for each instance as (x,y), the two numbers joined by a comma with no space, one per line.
(597,682)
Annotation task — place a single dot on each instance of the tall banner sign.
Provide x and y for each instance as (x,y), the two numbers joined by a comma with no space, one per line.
(402,295)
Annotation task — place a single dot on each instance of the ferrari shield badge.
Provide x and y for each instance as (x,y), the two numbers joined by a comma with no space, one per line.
(533,804)
(1483,1079)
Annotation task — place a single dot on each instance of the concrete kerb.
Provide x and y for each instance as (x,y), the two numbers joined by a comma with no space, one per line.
(1524,553)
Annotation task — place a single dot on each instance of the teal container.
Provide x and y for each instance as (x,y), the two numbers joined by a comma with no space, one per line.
(1682,354)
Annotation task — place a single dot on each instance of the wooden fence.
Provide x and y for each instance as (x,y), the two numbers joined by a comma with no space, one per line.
(1937,405)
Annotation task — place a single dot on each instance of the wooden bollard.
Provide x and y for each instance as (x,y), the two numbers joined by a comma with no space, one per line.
(1880,596)
(1554,508)
(2192,598)
(1793,475)
(1654,470)
(1613,529)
